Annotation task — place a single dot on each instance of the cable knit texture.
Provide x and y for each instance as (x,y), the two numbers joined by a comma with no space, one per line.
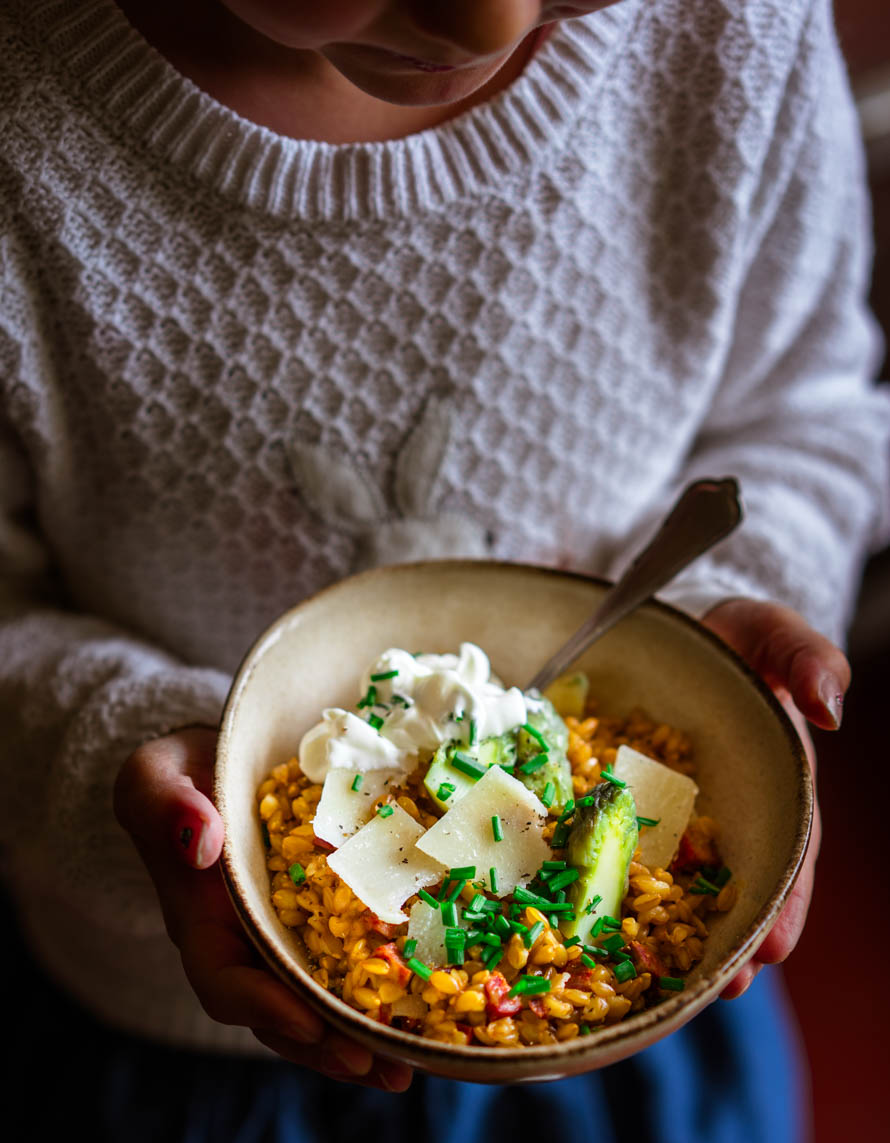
(235,367)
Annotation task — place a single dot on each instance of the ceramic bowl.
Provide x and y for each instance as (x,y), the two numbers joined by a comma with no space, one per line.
(751,768)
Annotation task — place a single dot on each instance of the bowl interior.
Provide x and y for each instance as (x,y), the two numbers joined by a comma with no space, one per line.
(751,770)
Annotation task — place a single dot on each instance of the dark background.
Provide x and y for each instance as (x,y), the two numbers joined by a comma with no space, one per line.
(836,974)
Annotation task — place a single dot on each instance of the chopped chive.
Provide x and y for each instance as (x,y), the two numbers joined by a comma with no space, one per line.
(610,777)
(525,898)
(597,926)
(536,734)
(463,871)
(529,985)
(455,945)
(410,946)
(383,675)
(595,950)
(476,905)
(569,941)
(568,810)
(385,811)
(624,971)
(375,720)
(467,765)
(565,908)
(584,1029)
(518,927)
(592,904)
(647,821)
(492,956)
(565,878)
(558,866)
(493,879)
(721,877)
(532,935)
(502,925)
(297,873)
(471,737)
(553,920)
(611,922)
(535,763)
(370,698)
(586,801)
(430,900)
(671,983)
(560,836)
(496,832)
(400,699)
(588,960)
(548,795)
(449,914)
(702,885)
(457,890)
(357,782)
(417,966)
(615,942)
(444,792)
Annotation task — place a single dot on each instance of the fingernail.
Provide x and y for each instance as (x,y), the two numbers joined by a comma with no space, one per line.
(397,1084)
(189,837)
(831,695)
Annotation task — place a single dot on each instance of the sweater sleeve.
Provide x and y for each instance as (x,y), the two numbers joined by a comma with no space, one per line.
(77,695)
(796,417)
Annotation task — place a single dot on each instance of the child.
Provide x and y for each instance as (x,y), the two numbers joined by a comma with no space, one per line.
(291,288)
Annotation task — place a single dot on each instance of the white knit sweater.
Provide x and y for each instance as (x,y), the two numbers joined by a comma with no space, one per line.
(234,367)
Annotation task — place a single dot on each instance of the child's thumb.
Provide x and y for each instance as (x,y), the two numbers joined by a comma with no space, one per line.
(161,799)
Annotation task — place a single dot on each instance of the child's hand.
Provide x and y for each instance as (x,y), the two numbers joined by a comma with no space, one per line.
(162,799)
(810,677)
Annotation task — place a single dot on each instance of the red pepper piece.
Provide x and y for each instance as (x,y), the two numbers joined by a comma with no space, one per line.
(325,845)
(697,850)
(384,928)
(647,959)
(537,1006)
(582,976)
(499,1003)
(402,971)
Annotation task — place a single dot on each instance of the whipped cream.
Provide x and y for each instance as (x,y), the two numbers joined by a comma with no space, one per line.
(410,703)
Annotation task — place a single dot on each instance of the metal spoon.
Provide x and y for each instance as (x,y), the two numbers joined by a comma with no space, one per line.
(706,511)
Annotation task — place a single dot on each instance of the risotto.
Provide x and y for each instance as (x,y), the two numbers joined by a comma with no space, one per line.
(519,968)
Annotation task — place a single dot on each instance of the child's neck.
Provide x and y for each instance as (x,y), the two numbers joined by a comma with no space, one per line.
(298,94)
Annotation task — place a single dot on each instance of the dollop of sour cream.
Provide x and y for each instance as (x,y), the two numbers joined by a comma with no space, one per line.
(410,703)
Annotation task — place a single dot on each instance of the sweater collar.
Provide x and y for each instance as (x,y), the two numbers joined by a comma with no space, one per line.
(135,91)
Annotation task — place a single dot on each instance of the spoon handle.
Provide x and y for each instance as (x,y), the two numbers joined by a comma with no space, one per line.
(706,511)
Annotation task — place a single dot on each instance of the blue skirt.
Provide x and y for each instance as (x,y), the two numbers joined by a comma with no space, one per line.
(731,1075)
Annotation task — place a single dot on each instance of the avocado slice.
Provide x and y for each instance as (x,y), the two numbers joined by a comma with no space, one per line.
(556,769)
(601,844)
(499,750)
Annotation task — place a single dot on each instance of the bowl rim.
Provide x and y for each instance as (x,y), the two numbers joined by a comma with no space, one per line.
(669,1011)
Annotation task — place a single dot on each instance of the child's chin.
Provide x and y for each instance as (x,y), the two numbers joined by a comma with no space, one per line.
(417,87)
